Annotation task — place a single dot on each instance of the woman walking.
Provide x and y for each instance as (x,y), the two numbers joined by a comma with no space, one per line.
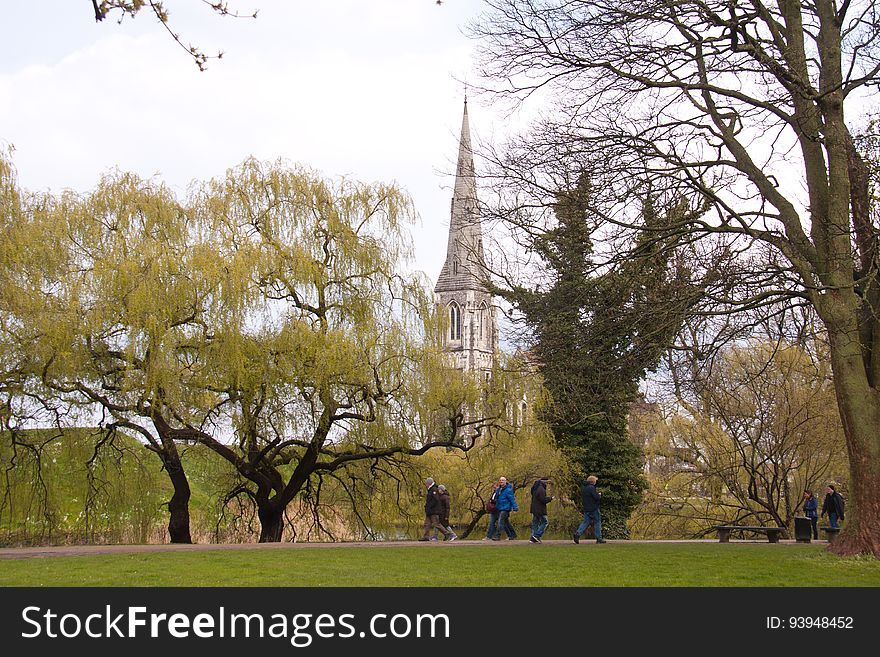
(811,510)
(492,510)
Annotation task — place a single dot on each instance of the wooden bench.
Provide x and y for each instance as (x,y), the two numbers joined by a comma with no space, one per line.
(830,533)
(725,530)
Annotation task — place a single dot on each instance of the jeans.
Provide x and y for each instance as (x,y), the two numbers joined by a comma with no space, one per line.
(832,519)
(591,516)
(493,523)
(814,522)
(504,523)
(539,525)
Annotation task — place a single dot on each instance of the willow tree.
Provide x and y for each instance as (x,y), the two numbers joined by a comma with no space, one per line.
(319,353)
(104,295)
(744,103)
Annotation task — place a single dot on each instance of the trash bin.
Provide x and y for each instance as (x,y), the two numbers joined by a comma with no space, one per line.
(802,530)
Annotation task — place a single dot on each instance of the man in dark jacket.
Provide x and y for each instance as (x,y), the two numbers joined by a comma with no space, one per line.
(591,499)
(539,508)
(833,506)
(433,506)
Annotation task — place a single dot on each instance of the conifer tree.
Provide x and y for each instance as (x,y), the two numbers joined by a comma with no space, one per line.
(594,339)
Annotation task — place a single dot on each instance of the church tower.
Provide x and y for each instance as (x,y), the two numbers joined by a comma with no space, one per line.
(471,332)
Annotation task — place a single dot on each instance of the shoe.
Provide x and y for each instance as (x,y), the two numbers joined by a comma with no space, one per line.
(600,540)
(486,538)
(532,539)
(423,538)
(538,540)
(576,537)
(433,538)
(453,537)
(511,538)
(496,538)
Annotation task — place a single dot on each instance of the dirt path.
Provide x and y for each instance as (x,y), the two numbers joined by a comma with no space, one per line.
(86,550)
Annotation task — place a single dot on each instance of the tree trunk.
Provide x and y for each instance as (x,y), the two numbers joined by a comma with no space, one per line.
(271,510)
(178,506)
(473,523)
(860,533)
(859,406)
(271,522)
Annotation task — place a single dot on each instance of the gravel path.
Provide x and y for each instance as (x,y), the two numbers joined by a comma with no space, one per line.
(86,550)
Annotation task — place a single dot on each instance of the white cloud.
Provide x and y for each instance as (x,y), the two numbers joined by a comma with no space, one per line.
(362,89)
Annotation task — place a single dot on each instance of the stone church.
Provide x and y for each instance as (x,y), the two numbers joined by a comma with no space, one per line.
(471,332)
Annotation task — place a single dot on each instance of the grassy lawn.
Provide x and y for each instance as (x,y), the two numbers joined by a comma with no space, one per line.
(621,564)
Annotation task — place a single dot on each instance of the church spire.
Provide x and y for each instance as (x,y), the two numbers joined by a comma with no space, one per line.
(465,175)
(470,332)
(464,249)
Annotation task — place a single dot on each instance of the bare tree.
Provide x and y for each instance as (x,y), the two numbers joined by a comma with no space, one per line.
(746,437)
(743,104)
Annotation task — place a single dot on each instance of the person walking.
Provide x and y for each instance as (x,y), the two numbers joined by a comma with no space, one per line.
(433,506)
(833,506)
(811,511)
(539,509)
(492,510)
(591,499)
(443,494)
(506,505)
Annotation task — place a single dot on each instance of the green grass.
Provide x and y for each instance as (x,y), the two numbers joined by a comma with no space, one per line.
(620,564)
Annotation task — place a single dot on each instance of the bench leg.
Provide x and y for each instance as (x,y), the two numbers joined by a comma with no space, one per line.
(773,537)
(724,536)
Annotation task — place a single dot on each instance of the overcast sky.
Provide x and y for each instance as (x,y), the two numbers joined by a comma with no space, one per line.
(368,89)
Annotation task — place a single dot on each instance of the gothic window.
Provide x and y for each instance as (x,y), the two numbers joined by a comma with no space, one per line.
(454,321)
(455,266)
(483,322)
(519,415)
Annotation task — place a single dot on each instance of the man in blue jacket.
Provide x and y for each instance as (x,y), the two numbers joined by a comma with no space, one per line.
(591,499)
(505,504)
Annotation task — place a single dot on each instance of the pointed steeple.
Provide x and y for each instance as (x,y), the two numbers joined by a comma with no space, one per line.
(464,249)
(465,175)
(470,334)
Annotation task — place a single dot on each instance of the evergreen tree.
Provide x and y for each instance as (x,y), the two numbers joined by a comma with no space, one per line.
(594,340)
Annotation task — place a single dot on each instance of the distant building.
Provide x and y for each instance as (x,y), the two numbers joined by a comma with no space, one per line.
(471,330)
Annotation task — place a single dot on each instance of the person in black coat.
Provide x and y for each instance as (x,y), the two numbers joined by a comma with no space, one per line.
(539,508)
(833,506)
(445,504)
(811,511)
(591,499)
(433,507)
